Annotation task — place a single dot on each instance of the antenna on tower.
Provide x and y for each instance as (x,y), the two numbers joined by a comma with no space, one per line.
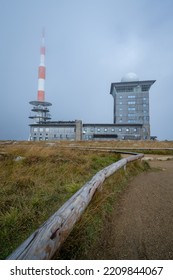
(40,107)
(43,31)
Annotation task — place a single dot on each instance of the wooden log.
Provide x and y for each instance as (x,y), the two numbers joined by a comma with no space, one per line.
(47,239)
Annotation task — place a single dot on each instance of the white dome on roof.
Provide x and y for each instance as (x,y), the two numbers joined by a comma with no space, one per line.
(130,77)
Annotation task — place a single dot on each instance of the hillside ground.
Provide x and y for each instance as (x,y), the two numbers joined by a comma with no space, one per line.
(37,178)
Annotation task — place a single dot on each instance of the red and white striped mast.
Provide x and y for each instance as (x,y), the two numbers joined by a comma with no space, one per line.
(40,107)
(42,70)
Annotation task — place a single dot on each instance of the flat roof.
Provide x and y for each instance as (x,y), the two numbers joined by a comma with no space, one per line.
(133,83)
(55,123)
(73,123)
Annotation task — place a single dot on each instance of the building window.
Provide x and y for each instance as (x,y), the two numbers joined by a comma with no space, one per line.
(92,129)
(41,129)
(124,89)
(35,129)
(131,121)
(131,96)
(121,115)
(105,129)
(120,109)
(120,129)
(98,129)
(120,102)
(135,129)
(131,109)
(145,88)
(54,135)
(113,129)
(131,102)
(127,129)
(144,105)
(47,129)
(146,118)
(120,96)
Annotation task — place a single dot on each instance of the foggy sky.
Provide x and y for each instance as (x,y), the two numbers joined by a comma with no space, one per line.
(89,45)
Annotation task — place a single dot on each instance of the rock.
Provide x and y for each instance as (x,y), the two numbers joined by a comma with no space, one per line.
(50,144)
(148,158)
(19,158)
(165,158)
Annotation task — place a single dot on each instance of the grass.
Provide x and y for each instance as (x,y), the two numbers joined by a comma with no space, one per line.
(32,189)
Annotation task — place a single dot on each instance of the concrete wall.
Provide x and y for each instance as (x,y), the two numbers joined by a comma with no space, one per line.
(78,131)
(131,104)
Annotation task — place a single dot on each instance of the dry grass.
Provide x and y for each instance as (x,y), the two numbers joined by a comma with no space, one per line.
(33,188)
(124,144)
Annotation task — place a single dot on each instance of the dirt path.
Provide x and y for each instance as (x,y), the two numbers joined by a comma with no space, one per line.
(143,220)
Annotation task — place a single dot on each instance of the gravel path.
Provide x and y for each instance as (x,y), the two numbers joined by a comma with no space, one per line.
(143,220)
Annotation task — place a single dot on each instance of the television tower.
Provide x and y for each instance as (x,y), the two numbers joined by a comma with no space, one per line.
(40,106)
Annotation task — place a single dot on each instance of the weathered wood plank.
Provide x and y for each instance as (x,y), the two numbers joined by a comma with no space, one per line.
(47,239)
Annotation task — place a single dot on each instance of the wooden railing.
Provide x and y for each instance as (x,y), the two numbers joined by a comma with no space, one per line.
(47,239)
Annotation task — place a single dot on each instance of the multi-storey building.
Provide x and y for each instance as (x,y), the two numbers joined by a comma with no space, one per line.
(131,104)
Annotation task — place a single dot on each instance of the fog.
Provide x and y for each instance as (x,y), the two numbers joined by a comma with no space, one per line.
(89,45)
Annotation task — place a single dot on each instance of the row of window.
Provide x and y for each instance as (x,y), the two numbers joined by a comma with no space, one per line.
(132,120)
(84,131)
(131,89)
(55,135)
(52,130)
(36,129)
(113,130)
(131,103)
(98,129)
(40,138)
(130,114)
(132,97)
(120,109)
(131,108)
(124,89)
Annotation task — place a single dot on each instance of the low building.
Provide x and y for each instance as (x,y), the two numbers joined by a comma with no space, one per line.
(75,130)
